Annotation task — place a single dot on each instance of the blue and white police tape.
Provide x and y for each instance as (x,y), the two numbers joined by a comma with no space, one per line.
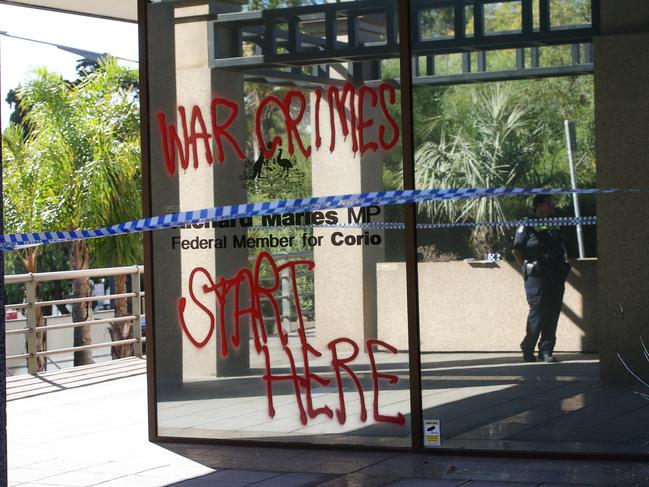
(378,198)
(552,222)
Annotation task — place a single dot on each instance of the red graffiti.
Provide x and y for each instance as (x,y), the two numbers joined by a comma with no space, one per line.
(202,288)
(337,102)
(353,106)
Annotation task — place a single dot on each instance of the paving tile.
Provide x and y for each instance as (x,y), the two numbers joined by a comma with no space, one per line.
(489,483)
(360,479)
(597,409)
(426,483)
(134,481)
(340,462)
(234,477)
(191,450)
(30,474)
(434,466)
(42,483)
(80,479)
(294,480)
(248,457)
(245,476)
(482,415)
(562,485)
(51,463)
(23,456)
(309,461)
(206,483)
(174,473)
(619,428)
(124,468)
(573,472)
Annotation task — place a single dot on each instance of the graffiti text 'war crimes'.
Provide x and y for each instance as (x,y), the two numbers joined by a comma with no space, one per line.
(354,107)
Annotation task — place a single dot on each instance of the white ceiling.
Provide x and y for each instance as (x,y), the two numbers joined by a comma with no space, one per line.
(112,9)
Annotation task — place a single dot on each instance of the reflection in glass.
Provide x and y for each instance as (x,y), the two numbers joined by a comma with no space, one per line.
(482,124)
(269,327)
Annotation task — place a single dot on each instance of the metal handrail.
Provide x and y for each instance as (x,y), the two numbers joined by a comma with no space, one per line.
(75,324)
(68,275)
(82,300)
(17,331)
(86,347)
(30,281)
(22,355)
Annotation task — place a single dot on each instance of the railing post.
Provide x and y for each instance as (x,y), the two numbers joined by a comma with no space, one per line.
(30,295)
(137,312)
(285,275)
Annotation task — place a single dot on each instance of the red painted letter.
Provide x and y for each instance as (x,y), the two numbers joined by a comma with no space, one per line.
(219,131)
(171,142)
(362,124)
(335,99)
(277,140)
(197,116)
(376,375)
(395,129)
(292,123)
(318,97)
(182,303)
(337,364)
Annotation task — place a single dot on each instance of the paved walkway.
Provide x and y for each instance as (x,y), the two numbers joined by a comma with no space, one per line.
(88,426)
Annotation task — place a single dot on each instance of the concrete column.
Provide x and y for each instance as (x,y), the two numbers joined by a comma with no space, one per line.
(230,190)
(622,134)
(206,186)
(164,198)
(345,276)
(196,186)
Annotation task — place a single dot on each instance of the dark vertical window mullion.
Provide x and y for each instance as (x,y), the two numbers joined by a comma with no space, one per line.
(412,284)
(459,20)
(330,29)
(478,20)
(528,17)
(544,15)
(269,46)
(430,65)
(595,16)
(293,35)
(3,348)
(143,33)
(482,61)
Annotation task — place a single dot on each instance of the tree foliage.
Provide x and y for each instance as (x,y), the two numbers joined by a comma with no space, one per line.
(83,146)
(86,138)
(484,141)
(501,135)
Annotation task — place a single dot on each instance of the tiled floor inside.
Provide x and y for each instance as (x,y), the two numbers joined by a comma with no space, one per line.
(483,401)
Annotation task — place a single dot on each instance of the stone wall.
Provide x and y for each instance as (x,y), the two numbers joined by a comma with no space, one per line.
(470,306)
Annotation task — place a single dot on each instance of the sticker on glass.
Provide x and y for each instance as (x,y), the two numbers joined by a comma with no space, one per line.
(432,432)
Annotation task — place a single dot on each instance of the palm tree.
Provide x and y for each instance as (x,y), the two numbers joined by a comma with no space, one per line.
(490,145)
(122,250)
(26,196)
(85,136)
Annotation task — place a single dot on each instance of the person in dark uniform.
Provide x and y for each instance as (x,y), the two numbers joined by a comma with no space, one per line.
(541,254)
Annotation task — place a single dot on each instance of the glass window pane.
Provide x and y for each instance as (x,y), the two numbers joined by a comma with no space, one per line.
(519,351)
(278,327)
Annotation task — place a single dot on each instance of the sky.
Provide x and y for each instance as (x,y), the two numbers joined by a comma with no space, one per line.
(18,57)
